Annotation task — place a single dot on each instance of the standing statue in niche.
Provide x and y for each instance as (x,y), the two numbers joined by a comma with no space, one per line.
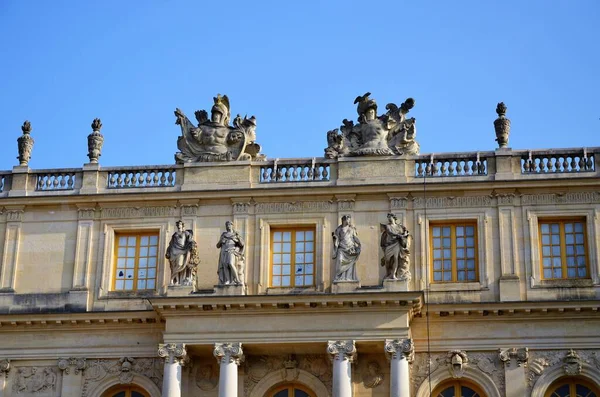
(346,250)
(387,135)
(395,241)
(214,139)
(182,254)
(231,259)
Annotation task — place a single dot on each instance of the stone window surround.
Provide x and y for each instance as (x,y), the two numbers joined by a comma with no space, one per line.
(482,219)
(264,223)
(533,268)
(106,256)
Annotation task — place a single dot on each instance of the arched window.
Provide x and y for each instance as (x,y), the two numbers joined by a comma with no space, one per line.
(572,387)
(290,390)
(128,391)
(458,389)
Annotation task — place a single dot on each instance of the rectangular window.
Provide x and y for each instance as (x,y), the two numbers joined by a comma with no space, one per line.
(563,247)
(136,258)
(293,257)
(454,252)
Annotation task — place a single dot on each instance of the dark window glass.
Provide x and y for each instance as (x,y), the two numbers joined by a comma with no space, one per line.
(120,394)
(300,393)
(283,393)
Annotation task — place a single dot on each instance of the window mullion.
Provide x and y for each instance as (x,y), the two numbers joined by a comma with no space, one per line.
(453,253)
(138,240)
(293,259)
(563,249)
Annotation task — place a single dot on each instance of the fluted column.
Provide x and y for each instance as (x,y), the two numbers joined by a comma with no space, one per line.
(400,352)
(229,356)
(174,355)
(342,353)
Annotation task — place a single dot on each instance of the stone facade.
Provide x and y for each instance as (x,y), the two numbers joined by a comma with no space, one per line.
(67,330)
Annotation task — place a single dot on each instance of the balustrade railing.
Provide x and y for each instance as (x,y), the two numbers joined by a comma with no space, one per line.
(469,164)
(556,162)
(282,171)
(50,181)
(141,177)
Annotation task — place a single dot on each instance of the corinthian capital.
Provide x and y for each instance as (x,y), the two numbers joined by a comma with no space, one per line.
(400,348)
(172,353)
(341,350)
(226,353)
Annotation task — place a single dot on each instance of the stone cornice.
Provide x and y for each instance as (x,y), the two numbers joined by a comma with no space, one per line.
(66,321)
(410,302)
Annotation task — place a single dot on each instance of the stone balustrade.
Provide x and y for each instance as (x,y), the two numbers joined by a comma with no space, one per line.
(554,161)
(49,180)
(144,177)
(301,170)
(502,164)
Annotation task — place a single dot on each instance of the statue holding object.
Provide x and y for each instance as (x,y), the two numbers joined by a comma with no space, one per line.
(395,242)
(346,250)
(388,135)
(182,254)
(231,258)
(214,139)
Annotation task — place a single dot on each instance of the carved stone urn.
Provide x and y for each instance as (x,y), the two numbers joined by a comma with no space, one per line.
(95,142)
(502,126)
(25,143)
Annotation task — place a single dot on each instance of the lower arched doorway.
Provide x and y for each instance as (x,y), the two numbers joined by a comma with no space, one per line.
(290,390)
(126,391)
(457,388)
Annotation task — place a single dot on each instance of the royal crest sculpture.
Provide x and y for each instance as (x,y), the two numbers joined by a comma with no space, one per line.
(214,139)
(387,135)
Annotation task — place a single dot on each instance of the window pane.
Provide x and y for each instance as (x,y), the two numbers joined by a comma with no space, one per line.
(128,284)
(144,240)
(309,236)
(286,270)
(309,247)
(144,251)
(446,231)
(152,251)
(470,230)
(152,261)
(285,281)
(299,247)
(437,231)
(287,236)
(141,284)
(299,280)
(277,236)
(119,284)
(579,227)
(299,236)
(554,228)
(276,281)
(131,241)
(287,247)
(460,231)
(299,258)
(308,280)
(153,240)
(308,258)
(151,273)
(276,259)
(277,270)
(308,268)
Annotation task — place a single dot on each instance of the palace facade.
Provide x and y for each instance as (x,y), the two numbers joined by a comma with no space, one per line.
(492,288)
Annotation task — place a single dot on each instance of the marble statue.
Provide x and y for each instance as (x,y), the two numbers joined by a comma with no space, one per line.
(346,250)
(387,135)
(214,139)
(182,254)
(231,258)
(395,242)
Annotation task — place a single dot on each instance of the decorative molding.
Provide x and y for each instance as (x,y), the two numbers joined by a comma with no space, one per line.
(399,348)
(14,215)
(296,206)
(560,198)
(125,369)
(341,350)
(35,380)
(189,210)
(345,205)
(138,212)
(173,353)
(457,361)
(506,198)
(372,375)
(398,203)
(453,202)
(86,213)
(227,353)
(520,356)
(241,207)
(65,364)
(572,363)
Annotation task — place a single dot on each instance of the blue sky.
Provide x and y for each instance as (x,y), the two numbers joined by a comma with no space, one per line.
(297,66)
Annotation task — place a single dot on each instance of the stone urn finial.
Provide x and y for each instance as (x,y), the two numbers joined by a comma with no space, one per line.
(25,143)
(95,142)
(502,126)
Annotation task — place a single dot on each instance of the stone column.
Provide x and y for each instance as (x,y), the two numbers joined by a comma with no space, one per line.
(72,379)
(342,353)
(229,356)
(4,368)
(515,361)
(12,236)
(174,355)
(400,352)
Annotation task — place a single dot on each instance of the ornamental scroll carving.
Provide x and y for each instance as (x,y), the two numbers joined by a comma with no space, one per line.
(400,348)
(519,356)
(227,353)
(35,380)
(303,206)
(571,361)
(173,353)
(125,369)
(257,367)
(76,363)
(341,350)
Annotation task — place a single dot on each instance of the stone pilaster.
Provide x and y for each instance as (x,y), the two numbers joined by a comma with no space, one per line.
(342,353)
(14,217)
(515,361)
(72,375)
(400,353)
(175,355)
(229,356)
